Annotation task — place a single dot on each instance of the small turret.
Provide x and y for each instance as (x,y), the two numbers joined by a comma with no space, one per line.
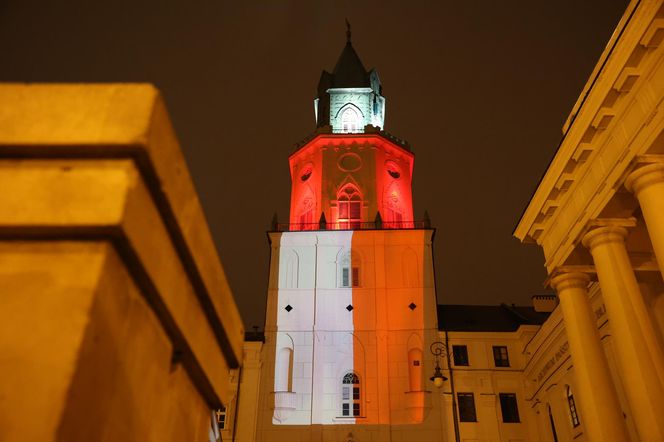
(350,97)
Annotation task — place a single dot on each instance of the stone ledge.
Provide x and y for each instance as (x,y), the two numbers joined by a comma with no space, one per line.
(126,121)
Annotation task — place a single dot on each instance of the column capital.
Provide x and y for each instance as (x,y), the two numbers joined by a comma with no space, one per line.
(570,280)
(645,176)
(603,235)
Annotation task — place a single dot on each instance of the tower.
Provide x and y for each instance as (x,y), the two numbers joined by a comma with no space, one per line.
(351,299)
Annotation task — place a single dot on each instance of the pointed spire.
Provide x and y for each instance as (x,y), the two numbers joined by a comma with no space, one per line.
(378,221)
(349,70)
(427,220)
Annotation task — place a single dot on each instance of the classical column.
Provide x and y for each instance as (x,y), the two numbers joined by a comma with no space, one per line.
(647,183)
(640,357)
(600,414)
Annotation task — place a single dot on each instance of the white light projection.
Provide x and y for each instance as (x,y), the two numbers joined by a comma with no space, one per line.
(314,342)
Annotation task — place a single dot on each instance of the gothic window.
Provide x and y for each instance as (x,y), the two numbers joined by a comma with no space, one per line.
(349,204)
(466,403)
(392,208)
(307,212)
(350,395)
(500,357)
(508,407)
(574,415)
(350,120)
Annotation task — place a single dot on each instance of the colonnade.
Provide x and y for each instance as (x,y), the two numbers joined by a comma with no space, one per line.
(639,354)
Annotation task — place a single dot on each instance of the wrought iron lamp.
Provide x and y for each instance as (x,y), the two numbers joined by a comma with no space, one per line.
(437,349)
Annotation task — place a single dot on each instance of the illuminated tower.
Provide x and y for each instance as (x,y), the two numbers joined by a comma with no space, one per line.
(351,298)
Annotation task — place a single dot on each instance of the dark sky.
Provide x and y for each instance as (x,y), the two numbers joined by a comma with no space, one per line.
(480,89)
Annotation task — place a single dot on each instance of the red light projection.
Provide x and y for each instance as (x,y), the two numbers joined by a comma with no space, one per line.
(377,170)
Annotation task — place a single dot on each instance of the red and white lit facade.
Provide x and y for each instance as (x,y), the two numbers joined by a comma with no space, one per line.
(351,300)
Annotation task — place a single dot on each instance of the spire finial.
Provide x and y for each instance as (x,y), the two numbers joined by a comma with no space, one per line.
(347,31)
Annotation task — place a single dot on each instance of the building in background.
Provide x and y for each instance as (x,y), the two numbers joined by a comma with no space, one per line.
(353,338)
(598,214)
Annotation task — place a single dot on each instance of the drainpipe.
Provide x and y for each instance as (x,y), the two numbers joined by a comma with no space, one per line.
(457,436)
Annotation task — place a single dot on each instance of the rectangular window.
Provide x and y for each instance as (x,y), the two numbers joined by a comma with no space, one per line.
(345,395)
(343,209)
(355,210)
(356,409)
(508,407)
(356,276)
(466,403)
(460,353)
(345,409)
(572,411)
(500,357)
(345,277)
(356,393)
(221,418)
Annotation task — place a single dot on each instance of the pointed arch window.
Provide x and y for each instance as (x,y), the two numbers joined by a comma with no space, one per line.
(349,204)
(350,395)
(350,120)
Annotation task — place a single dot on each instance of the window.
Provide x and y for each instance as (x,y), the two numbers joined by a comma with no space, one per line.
(350,395)
(350,120)
(346,273)
(460,353)
(508,407)
(283,376)
(500,357)
(348,268)
(466,403)
(349,202)
(221,418)
(574,415)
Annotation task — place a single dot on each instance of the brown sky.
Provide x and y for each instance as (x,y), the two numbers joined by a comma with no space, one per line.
(479,88)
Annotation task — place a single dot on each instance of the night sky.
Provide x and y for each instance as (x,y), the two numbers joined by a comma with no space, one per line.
(480,89)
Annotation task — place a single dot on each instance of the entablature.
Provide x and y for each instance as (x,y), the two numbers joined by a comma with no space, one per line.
(617,123)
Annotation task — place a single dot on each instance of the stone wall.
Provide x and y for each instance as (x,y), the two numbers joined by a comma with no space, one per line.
(117,320)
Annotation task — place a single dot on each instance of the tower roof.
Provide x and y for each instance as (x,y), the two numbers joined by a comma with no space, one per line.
(349,70)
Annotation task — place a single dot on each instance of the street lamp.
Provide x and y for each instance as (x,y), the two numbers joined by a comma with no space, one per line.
(437,349)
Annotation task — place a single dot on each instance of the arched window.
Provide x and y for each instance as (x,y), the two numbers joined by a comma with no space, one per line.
(350,395)
(573,414)
(291,267)
(350,120)
(283,376)
(349,204)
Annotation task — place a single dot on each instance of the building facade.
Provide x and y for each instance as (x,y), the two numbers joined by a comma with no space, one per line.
(355,347)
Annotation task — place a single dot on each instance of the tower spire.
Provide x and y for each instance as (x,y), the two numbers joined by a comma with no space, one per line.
(347,31)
